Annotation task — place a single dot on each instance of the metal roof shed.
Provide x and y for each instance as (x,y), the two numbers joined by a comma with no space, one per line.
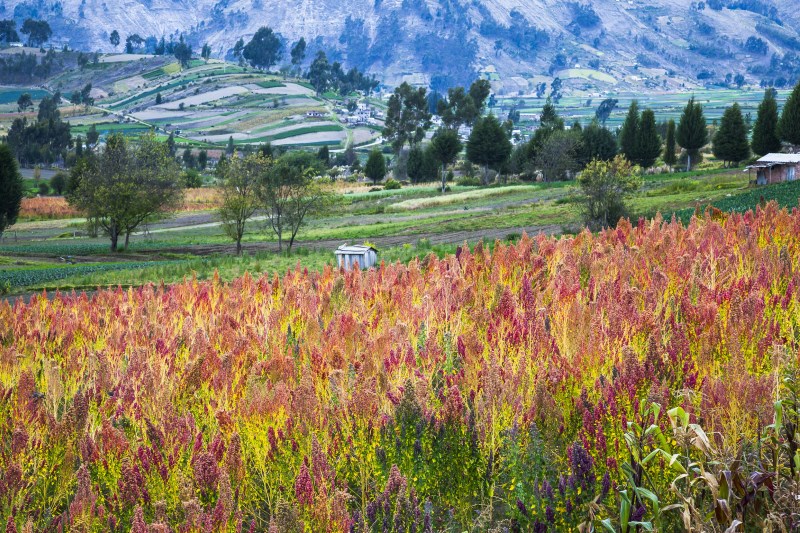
(349,256)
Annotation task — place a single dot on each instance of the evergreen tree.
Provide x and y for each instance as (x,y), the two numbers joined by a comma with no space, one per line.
(159,99)
(10,188)
(598,142)
(415,164)
(669,150)
(375,168)
(630,130)
(202,159)
(171,148)
(231,147)
(114,39)
(298,52)
(324,155)
(488,145)
(692,134)
(789,125)
(648,142)
(730,141)
(765,130)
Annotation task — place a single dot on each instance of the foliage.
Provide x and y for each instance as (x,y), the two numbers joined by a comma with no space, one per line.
(445,148)
(239,187)
(463,107)
(670,158)
(264,49)
(648,142)
(730,141)
(765,131)
(691,134)
(407,117)
(125,185)
(43,141)
(559,157)
(38,32)
(789,124)
(10,188)
(598,142)
(481,391)
(604,185)
(392,185)
(375,169)
(488,145)
(289,191)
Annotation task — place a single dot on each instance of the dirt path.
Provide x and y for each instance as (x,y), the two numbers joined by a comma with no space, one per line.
(381,242)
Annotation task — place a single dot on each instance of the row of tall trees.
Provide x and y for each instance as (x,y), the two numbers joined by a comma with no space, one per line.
(38,31)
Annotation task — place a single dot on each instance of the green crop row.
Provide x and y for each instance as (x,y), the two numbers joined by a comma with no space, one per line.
(38,276)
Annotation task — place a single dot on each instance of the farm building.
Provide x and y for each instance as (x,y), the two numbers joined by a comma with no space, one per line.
(348,256)
(775,168)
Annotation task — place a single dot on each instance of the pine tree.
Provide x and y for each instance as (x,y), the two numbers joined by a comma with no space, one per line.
(488,145)
(376,166)
(765,130)
(789,125)
(648,142)
(730,141)
(10,188)
(630,130)
(692,134)
(669,151)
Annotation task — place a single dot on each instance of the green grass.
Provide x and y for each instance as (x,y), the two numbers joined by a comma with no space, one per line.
(26,277)
(785,194)
(269,84)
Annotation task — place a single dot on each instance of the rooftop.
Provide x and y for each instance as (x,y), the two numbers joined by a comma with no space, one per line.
(780,158)
(354,249)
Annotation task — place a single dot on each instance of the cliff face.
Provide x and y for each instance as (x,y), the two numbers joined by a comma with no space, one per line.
(597,45)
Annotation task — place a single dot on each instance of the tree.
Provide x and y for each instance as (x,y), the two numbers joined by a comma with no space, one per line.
(237,48)
(691,133)
(730,142)
(648,142)
(789,125)
(319,72)
(298,53)
(231,147)
(488,145)
(183,52)
(765,130)
(463,107)
(189,160)
(125,185)
(604,185)
(92,135)
(289,192)
(114,39)
(133,43)
(421,165)
(205,52)
(202,159)
(598,142)
(159,99)
(8,31)
(24,102)
(38,32)
(375,169)
(559,156)
(605,109)
(407,117)
(58,183)
(446,146)
(44,141)
(10,188)
(324,155)
(264,49)
(669,149)
(239,190)
(629,132)
(739,80)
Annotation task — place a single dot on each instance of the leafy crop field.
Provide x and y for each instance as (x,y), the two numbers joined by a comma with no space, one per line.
(612,381)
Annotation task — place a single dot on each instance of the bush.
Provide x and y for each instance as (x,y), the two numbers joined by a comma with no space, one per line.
(392,184)
(468,181)
(44,189)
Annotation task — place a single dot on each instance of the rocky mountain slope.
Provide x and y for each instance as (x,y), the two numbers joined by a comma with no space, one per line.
(592,46)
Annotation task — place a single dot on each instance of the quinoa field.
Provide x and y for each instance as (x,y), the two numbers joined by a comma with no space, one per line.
(641,378)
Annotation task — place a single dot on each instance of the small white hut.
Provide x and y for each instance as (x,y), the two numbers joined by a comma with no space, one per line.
(348,256)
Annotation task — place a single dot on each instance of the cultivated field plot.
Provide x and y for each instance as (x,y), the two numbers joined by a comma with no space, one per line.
(516,385)
(665,105)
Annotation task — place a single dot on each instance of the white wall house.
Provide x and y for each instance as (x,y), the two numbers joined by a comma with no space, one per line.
(349,256)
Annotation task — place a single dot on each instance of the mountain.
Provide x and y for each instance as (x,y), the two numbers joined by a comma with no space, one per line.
(602,45)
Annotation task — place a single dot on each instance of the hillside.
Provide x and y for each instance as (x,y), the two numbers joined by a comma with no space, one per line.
(611,45)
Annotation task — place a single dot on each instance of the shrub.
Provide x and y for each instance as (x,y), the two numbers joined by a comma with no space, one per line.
(392,184)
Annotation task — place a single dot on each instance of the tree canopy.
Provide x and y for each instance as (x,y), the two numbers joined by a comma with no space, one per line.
(488,145)
(38,31)
(125,185)
(264,49)
(445,147)
(789,125)
(730,141)
(765,130)
(375,169)
(10,188)
(407,116)
(691,133)
(239,187)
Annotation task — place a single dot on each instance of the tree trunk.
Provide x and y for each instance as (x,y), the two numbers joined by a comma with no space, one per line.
(114,239)
(127,239)
(444,180)
(239,246)
(688,161)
